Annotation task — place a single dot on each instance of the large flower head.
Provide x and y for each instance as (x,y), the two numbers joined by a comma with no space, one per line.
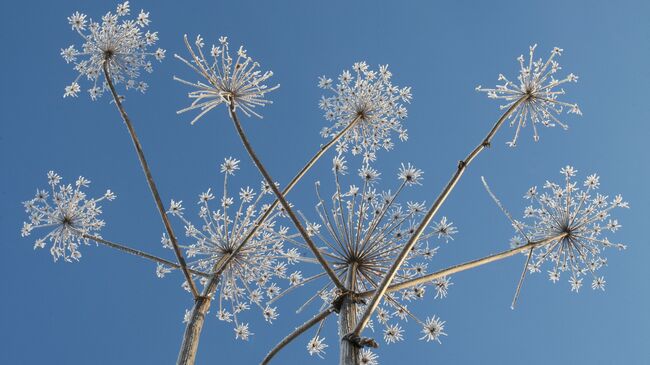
(363,230)
(225,80)
(249,280)
(122,44)
(536,94)
(579,214)
(370,100)
(68,214)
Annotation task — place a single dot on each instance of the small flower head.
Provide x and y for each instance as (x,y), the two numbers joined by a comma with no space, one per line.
(368,357)
(535,94)
(393,333)
(121,44)
(580,218)
(316,346)
(372,102)
(238,82)
(69,215)
(433,328)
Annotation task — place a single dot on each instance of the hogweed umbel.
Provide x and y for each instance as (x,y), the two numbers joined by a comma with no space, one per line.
(370,100)
(538,87)
(225,80)
(121,45)
(70,216)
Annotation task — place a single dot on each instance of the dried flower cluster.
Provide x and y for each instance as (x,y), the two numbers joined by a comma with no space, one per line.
(121,44)
(225,82)
(537,87)
(583,216)
(363,232)
(369,99)
(249,277)
(70,215)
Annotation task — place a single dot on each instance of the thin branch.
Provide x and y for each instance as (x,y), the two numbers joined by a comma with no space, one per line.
(286,191)
(462,165)
(283,201)
(465,266)
(142,254)
(297,332)
(152,184)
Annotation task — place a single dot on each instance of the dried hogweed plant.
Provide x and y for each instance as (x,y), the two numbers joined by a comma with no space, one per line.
(373,252)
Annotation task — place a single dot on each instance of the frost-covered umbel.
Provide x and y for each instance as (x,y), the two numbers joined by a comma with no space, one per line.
(371,99)
(539,87)
(122,43)
(363,230)
(584,216)
(248,280)
(224,81)
(69,215)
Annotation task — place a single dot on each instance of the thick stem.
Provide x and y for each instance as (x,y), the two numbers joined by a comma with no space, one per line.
(152,184)
(349,352)
(142,254)
(269,180)
(462,165)
(190,344)
(466,266)
(297,332)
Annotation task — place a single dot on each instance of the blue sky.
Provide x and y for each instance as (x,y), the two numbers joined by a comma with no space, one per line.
(110,308)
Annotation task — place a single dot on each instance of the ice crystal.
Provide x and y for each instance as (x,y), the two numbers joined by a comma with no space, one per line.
(224,81)
(69,215)
(121,43)
(538,88)
(249,277)
(582,216)
(371,99)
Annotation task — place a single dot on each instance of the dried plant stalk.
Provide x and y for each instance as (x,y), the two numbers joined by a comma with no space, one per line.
(150,181)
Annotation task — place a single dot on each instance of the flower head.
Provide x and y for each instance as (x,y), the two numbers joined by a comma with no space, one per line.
(225,80)
(580,217)
(316,346)
(122,44)
(433,328)
(535,95)
(372,102)
(250,275)
(69,215)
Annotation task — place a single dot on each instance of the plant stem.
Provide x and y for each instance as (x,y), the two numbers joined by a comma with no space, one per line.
(152,184)
(462,165)
(349,352)
(286,191)
(297,332)
(192,335)
(465,266)
(142,254)
(281,198)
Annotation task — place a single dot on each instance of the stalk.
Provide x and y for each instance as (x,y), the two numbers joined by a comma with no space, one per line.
(349,352)
(150,181)
(465,266)
(297,332)
(280,197)
(462,165)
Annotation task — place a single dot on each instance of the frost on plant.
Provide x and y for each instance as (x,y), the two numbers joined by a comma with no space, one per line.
(224,81)
(67,213)
(363,229)
(121,43)
(539,89)
(583,216)
(250,279)
(371,100)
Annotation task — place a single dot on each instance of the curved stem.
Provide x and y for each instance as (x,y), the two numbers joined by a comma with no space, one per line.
(150,181)
(462,165)
(465,266)
(281,198)
(142,254)
(297,332)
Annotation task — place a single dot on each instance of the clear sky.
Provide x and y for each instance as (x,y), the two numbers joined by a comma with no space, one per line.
(111,308)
